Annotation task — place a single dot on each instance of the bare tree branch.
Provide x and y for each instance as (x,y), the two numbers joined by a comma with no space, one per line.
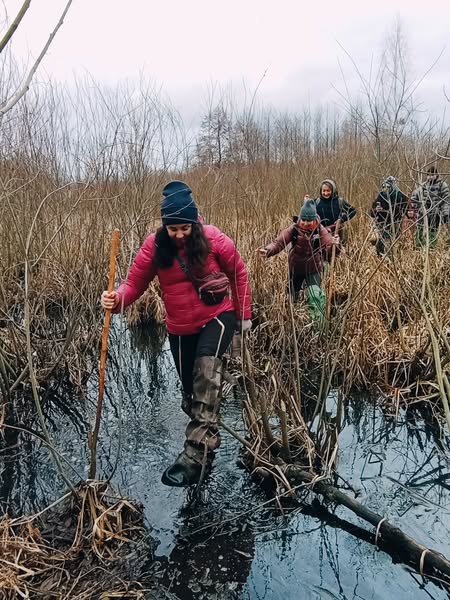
(8,104)
(14,25)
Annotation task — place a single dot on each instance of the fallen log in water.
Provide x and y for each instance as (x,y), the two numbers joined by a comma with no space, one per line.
(425,559)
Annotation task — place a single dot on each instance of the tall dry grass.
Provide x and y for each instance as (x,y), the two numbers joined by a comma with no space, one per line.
(75,165)
(78,165)
(70,223)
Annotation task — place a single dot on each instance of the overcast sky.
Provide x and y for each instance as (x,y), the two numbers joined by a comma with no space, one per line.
(184,46)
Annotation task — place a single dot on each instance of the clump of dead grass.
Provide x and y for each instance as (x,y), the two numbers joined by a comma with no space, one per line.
(82,547)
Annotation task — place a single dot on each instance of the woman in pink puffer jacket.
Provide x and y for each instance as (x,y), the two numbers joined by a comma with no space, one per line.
(181,253)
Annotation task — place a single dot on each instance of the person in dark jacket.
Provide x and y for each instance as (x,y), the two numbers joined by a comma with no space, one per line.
(388,211)
(307,240)
(431,204)
(331,208)
(200,325)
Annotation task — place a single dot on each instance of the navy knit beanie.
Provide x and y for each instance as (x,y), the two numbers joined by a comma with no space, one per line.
(308,211)
(178,205)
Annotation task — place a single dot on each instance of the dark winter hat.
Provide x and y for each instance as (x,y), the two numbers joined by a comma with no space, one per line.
(308,211)
(178,205)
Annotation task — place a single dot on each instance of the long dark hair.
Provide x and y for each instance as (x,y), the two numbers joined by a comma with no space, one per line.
(197,248)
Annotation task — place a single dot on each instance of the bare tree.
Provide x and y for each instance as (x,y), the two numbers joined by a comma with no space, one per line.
(387,92)
(14,25)
(214,142)
(14,96)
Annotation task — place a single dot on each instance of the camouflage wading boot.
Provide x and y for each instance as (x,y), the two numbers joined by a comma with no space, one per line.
(202,434)
(186,403)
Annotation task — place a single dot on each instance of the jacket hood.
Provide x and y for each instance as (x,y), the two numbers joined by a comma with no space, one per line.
(331,183)
(389,183)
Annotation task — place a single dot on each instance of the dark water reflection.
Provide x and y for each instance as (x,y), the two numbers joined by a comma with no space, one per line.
(231,543)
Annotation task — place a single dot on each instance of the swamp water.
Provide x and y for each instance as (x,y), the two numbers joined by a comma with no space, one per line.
(233,543)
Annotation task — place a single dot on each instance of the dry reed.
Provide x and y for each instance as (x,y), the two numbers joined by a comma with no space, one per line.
(75,550)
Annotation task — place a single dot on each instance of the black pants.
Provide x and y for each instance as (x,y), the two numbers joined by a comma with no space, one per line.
(296,282)
(386,234)
(213,339)
(434,220)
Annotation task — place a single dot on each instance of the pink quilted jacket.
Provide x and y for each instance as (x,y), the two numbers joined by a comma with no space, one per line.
(185,312)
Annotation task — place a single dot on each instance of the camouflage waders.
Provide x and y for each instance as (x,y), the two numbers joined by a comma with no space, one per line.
(202,405)
(421,236)
(202,434)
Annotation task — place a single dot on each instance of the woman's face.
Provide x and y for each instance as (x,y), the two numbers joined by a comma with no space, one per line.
(308,226)
(178,233)
(326,191)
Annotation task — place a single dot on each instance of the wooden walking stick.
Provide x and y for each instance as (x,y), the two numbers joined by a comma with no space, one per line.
(101,379)
(331,280)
